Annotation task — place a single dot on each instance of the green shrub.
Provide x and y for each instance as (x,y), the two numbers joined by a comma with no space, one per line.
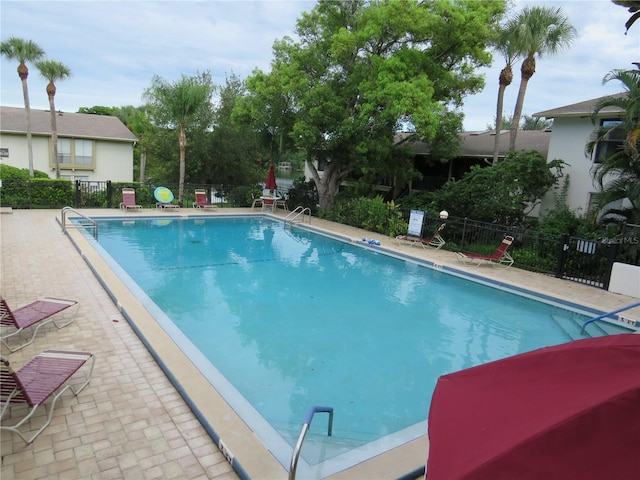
(241,196)
(373,214)
(51,192)
(20,190)
(303,194)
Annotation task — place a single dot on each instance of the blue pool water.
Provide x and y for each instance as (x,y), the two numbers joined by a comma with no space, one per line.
(291,319)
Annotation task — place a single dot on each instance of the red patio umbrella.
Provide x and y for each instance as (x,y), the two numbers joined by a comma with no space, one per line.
(271,180)
(570,411)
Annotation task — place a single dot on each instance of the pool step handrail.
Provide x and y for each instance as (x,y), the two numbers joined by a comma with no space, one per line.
(303,432)
(608,314)
(298,215)
(92,224)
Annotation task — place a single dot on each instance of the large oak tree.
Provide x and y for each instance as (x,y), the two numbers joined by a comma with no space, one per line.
(360,67)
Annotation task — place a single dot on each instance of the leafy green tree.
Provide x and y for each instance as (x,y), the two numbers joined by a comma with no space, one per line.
(24,51)
(543,31)
(270,110)
(162,158)
(136,120)
(503,194)
(359,67)
(619,174)
(181,105)
(234,143)
(53,71)
(100,110)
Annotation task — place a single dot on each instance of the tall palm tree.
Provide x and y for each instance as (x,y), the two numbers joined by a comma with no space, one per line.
(543,31)
(24,51)
(53,71)
(619,174)
(507,44)
(135,118)
(529,122)
(633,6)
(181,104)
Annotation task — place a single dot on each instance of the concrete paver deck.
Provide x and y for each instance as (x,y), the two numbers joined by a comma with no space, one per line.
(130,422)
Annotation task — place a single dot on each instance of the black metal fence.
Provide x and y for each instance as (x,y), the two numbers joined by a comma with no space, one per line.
(94,194)
(580,260)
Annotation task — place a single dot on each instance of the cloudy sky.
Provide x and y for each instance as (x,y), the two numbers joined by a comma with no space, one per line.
(114,48)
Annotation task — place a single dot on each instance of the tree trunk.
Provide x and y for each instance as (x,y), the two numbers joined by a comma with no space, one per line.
(143,164)
(23,73)
(506,77)
(527,70)
(51,93)
(183,149)
(329,185)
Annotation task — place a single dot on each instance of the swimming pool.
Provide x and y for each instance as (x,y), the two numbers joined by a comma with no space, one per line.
(282,316)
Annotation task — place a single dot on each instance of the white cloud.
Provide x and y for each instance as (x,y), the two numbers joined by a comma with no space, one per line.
(115,47)
(569,77)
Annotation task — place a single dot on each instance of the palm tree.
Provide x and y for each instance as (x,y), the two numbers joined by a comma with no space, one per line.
(53,71)
(530,122)
(508,45)
(543,31)
(24,51)
(619,174)
(633,6)
(135,118)
(180,104)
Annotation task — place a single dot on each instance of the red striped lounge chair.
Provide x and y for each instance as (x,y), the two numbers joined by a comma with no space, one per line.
(129,200)
(36,314)
(499,258)
(201,200)
(45,375)
(436,241)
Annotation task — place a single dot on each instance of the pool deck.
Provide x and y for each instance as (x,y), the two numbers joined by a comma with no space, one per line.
(131,422)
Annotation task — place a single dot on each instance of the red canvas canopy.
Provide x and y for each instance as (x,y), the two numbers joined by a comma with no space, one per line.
(566,412)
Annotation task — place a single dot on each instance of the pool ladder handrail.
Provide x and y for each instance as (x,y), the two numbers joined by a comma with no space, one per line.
(297,212)
(63,222)
(303,432)
(604,315)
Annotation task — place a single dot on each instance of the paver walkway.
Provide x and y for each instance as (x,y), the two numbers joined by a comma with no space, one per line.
(130,422)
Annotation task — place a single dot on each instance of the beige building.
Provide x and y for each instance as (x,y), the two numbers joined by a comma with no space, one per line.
(572,130)
(90,147)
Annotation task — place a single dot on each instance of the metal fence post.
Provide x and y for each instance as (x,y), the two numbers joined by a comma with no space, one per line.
(562,255)
(77,182)
(612,252)
(464,229)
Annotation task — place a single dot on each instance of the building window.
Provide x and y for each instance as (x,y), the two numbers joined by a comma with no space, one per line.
(84,152)
(74,153)
(64,151)
(612,142)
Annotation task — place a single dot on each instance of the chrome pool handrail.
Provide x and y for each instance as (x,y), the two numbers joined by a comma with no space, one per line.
(604,315)
(303,432)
